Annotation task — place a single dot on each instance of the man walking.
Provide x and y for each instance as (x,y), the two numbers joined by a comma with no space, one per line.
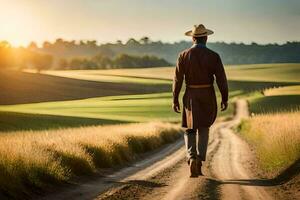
(199,66)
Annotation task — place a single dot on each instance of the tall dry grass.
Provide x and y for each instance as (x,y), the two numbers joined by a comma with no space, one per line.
(33,159)
(276,138)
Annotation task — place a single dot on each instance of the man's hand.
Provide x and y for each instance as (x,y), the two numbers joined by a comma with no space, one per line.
(176,107)
(224,106)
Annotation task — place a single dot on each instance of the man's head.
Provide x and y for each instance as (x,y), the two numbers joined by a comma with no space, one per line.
(199,34)
(200,40)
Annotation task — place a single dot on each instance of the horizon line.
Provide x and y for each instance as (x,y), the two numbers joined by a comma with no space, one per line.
(77,41)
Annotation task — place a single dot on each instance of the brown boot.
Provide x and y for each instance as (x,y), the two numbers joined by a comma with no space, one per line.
(193,168)
(199,166)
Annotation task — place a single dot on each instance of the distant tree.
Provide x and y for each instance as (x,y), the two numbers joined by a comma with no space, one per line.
(124,60)
(41,61)
(132,41)
(21,58)
(92,43)
(102,61)
(89,64)
(107,62)
(72,43)
(32,46)
(82,43)
(82,63)
(63,63)
(59,41)
(5,44)
(5,55)
(76,63)
(119,42)
(46,45)
(145,40)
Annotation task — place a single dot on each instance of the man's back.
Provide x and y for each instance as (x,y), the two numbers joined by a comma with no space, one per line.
(200,64)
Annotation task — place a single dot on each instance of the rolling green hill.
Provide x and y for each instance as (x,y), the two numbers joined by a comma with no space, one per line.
(20,87)
(281,99)
(135,95)
(257,73)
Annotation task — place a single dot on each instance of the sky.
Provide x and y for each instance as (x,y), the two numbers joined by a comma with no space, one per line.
(260,21)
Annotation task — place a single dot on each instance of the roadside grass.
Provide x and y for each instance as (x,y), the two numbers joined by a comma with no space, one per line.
(276,139)
(31,160)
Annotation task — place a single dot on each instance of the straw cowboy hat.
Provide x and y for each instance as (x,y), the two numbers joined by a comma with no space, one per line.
(199,31)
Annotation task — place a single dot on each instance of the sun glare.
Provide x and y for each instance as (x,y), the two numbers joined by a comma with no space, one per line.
(16,24)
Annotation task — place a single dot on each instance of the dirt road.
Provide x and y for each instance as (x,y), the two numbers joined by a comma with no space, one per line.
(165,174)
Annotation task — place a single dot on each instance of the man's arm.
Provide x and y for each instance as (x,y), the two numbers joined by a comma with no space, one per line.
(177,83)
(222,83)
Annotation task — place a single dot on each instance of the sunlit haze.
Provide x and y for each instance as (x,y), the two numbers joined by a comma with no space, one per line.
(268,21)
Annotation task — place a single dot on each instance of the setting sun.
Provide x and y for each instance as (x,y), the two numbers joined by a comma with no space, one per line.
(17,23)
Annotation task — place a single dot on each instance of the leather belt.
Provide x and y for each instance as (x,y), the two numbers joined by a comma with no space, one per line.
(199,86)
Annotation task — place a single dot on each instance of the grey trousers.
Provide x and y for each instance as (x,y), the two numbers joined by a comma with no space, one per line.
(196,143)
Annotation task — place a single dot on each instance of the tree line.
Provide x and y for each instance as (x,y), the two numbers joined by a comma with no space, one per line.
(104,62)
(21,58)
(231,53)
(63,54)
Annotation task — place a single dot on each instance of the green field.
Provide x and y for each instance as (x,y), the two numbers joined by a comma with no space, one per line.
(129,95)
(256,73)
(124,108)
(119,76)
(283,99)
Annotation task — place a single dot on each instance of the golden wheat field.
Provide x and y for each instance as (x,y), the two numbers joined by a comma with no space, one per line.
(288,90)
(276,138)
(36,158)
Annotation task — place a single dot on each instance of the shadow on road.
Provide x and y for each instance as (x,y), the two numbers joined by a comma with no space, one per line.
(282,178)
(133,189)
(149,184)
(211,189)
(142,183)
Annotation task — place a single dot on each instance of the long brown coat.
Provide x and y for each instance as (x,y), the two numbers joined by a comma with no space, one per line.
(199,65)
